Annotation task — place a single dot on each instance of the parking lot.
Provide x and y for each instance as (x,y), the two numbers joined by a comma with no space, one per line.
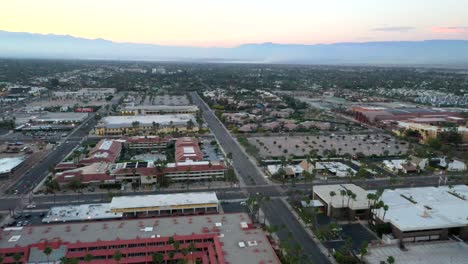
(356,232)
(372,144)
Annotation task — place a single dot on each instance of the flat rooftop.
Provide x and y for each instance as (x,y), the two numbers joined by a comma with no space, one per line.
(80,213)
(8,164)
(147,120)
(163,200)
(229,231)
(423,253)
(361,202)
(424,208)
(163,107)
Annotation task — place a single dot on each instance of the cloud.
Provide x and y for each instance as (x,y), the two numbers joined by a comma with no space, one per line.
(449,30)
(393,29)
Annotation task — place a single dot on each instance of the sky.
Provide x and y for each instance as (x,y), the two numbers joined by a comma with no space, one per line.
(226,23)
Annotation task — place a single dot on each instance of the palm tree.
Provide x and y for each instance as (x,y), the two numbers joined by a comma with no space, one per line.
(47,251)
(332,194)
(117,256)
(158,258)
(385,208)
(343,194)
(88,257)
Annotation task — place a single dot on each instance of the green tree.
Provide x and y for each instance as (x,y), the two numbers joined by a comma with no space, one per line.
(117,256)
(158,258)
(17,257)
(364,250)
(88,257)
(47,251)
(390,260)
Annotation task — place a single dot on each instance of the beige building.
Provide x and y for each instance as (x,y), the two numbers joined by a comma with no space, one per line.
(145,124)
(431,131)
(159,110)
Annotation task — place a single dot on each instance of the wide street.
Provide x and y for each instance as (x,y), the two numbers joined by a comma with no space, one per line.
(276,212)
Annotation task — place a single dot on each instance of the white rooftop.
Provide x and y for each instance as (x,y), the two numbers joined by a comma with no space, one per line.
(147,120)
(338,201)
(80,213)
(8,164)
(163,200)
(421,253)
(425,208)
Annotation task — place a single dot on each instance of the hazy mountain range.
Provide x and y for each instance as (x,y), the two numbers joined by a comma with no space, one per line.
(434,52)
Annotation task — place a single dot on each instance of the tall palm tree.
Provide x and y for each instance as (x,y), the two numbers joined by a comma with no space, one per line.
(332,194)
(343,194)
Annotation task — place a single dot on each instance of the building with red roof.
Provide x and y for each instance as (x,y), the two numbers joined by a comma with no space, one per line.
(107,150)
(187,148)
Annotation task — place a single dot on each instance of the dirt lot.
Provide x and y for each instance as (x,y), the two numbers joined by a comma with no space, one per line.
(378,144)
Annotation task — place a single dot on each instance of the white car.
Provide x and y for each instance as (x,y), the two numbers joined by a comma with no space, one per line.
(31,206)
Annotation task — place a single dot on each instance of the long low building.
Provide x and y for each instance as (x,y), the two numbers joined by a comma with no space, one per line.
(166,204)
(145,124)
(8,165)
(82,212)
(426,213)
(159,109)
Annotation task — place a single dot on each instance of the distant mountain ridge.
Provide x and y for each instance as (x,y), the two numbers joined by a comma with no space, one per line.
(442,52)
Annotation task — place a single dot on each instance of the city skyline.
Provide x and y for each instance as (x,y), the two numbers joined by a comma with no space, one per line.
(210,23)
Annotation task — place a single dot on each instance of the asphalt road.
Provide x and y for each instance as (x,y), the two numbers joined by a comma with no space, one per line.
(243,165)
(276,212)
(40,171)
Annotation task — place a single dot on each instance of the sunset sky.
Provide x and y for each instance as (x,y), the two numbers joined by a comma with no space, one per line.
(230,23)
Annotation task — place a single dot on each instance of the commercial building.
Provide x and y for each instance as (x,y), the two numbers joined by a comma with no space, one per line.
(145,124)
(9,165)
(336,168)
(159,109)
(214,239)
(430,131)
(146,142)
(195,170)
(187,148)
(426,213)
(343,206)
(144,172)
(370,114)
(452,252)
(107,151)
(87,93)
(166,204)
(82,212)
(51,118)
